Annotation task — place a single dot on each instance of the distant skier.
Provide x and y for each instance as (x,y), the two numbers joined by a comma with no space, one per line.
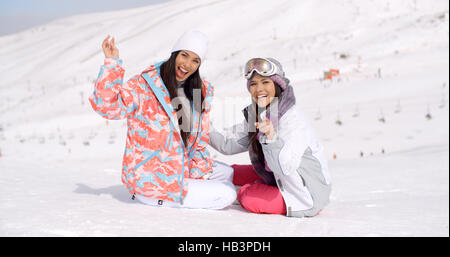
(289,173)
(361,154)
(166,162)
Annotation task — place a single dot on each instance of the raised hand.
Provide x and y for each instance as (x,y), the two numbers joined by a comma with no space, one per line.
(109,48)
(266,127)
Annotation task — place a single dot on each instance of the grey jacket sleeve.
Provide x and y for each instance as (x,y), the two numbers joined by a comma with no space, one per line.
(272,152)
(238,143)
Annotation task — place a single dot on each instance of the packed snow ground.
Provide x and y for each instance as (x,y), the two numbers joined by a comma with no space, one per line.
(60,162)
(398,194)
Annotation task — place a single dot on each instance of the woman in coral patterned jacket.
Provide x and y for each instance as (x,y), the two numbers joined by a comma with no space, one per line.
(167,107)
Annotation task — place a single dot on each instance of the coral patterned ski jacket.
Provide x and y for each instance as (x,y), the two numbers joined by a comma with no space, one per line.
(155,161)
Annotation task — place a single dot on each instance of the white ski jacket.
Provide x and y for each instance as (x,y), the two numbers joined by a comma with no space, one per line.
(295,156)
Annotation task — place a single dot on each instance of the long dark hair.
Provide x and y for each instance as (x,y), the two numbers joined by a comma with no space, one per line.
(253,141)
(192,82)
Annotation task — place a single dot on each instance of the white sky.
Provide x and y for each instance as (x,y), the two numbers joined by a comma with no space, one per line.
(17,15)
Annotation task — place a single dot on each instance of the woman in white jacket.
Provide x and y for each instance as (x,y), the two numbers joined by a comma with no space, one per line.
(289,174)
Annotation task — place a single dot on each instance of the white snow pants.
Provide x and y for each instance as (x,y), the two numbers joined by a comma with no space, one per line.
(216,193)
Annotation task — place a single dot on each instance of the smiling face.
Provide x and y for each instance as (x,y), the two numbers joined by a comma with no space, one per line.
(186,64)
(262,90)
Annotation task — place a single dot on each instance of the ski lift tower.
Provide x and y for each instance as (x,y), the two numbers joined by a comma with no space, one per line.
(442,105)
(356,113)
(381,118)
(428,115)
(318,115)
(338,120)
(398,107)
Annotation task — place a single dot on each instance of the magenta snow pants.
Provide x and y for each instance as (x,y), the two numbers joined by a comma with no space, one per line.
(254,195)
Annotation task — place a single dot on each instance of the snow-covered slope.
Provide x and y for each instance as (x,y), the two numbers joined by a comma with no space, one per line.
(393,56)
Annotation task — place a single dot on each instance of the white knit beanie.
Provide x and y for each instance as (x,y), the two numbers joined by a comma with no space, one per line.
(194,41)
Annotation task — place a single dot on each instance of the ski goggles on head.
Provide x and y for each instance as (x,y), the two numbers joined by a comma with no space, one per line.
(262,66)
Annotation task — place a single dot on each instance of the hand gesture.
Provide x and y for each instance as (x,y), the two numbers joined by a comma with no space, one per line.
(266,127)
(109,48)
